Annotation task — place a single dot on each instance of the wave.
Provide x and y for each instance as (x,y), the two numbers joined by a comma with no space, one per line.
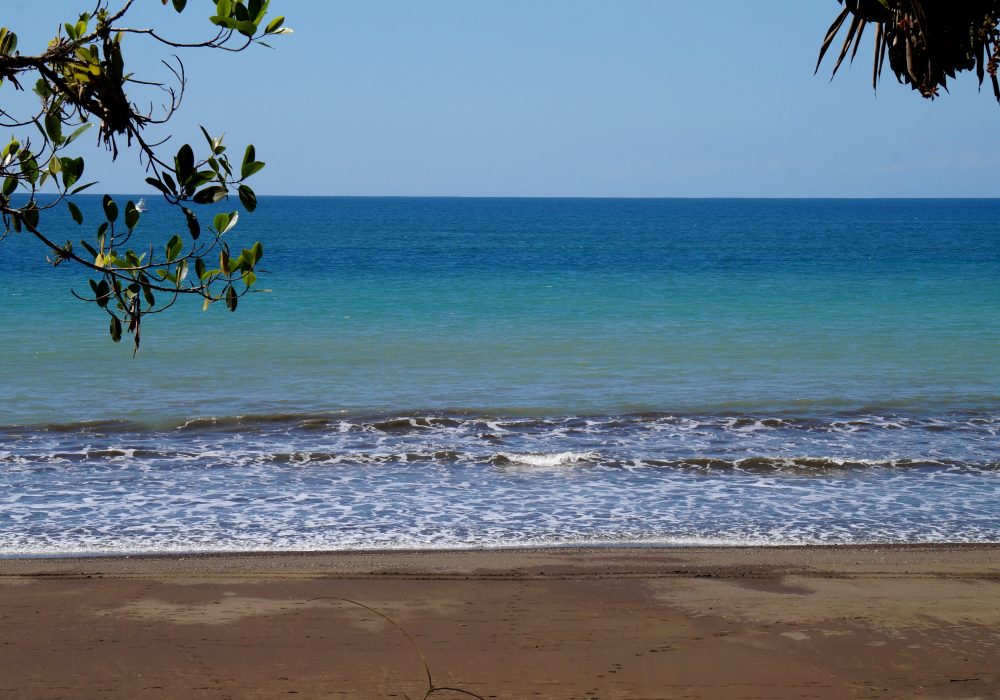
(691,442)
(169,459)
(408,424)
(94,455)
(812,465)
(558,459)
(423,421)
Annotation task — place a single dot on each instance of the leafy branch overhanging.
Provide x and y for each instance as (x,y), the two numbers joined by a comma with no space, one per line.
(80,79)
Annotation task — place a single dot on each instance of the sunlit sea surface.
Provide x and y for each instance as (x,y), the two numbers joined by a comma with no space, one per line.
(514,372)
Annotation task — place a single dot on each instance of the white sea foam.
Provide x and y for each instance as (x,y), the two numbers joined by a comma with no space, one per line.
(558,459)
(458,481)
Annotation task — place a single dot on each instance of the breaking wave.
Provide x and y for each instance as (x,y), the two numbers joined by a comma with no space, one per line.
(463,479)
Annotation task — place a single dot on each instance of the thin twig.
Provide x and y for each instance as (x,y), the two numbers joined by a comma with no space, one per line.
(431,687)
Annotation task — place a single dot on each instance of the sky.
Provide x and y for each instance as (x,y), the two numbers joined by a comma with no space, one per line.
(582,98)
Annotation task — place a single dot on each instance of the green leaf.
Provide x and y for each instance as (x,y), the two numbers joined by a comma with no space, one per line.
(249,278)
(72,137)
(194,228)
(198,179)
(42,89)
(225,222)
(72,169)
(210,195)
(110,209)
(179,5)
(174,247)
(184,163)
(223,8)
(248,198)
(131,215)
(249,169)
(153,182)
(220,221)
(223,22)
(274,25)
(103,293)
(75,212)
(11,149)
(246,28)
(258,252)
(257,9)
(250,155)
(116,329)
(9,185)
(208,137)
(53,126)
(169,182)
(29,168)
(231,298)
(199,268)
(81,188)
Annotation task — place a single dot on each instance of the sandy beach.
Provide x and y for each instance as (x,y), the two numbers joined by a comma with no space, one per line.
(817,622)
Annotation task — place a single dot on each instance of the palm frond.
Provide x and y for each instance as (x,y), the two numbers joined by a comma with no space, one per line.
(926,41)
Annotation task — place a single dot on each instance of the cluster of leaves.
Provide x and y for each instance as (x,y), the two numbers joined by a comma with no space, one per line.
(81,77)
(926,41)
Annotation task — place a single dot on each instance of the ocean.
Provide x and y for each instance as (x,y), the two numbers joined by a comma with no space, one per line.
(452,373)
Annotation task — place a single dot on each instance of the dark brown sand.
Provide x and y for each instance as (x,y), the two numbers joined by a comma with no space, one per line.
(812,622)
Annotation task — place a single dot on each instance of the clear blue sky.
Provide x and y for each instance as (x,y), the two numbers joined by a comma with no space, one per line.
(561,98)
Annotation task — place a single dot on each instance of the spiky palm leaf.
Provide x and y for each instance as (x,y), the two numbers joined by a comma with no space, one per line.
(926,41)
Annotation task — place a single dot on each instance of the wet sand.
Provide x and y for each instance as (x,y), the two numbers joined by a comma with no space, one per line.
(810,622)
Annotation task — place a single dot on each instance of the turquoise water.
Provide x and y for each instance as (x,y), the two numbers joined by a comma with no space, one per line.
(569,370)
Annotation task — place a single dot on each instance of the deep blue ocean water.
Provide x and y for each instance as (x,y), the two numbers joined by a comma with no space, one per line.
(496,372)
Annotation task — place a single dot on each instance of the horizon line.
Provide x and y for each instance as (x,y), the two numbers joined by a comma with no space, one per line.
(589,197)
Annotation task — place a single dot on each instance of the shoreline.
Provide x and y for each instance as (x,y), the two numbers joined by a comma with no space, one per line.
(501,549)
(513,550)
(825,621)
